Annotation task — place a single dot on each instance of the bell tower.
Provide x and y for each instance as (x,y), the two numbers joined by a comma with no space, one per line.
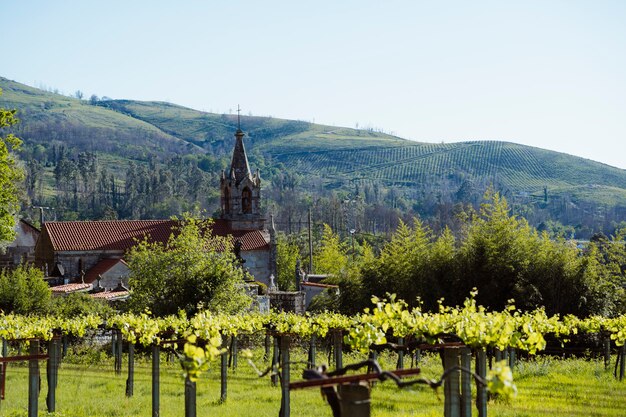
(241,190)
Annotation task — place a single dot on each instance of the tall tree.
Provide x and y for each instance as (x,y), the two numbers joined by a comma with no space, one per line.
(10,176)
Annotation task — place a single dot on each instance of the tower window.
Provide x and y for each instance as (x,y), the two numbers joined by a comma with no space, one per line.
(246,200)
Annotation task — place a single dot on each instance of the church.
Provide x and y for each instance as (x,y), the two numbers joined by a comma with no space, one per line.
(84,254)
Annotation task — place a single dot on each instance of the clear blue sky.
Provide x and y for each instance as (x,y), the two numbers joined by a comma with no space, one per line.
(550,74)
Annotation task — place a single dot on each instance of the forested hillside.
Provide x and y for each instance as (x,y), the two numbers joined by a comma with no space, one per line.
(103,158)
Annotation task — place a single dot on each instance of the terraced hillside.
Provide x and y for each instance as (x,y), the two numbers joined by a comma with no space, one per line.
(126,130)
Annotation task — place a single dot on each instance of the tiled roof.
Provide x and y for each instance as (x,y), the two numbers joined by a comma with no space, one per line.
(100,268)
(120,235)
(70,288)
(110,295)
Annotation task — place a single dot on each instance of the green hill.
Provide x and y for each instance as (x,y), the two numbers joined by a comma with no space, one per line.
(121,131)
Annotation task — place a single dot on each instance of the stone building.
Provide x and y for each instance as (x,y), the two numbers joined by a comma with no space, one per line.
(22,249)
(81,251)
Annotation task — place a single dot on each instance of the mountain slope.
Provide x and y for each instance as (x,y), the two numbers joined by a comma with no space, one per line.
(127,129)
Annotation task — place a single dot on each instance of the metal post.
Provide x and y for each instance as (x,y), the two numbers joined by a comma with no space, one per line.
(156,351)
(190,398)
(33,380)
(51,374)
(400,364)
(130,381)
(285,410)
(224,371)
(312,351)
(466,383)
(481,391)
(452,403)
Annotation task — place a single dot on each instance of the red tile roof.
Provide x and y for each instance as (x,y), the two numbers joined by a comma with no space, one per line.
(110,295)
(69,288)
(120,235)
(100,268)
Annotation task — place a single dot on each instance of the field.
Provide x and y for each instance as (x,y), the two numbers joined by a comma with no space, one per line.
(546,387)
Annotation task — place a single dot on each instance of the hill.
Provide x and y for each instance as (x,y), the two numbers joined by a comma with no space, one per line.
(325,159)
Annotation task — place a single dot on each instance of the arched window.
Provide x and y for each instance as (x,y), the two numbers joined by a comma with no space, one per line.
(246,200)
(226,204)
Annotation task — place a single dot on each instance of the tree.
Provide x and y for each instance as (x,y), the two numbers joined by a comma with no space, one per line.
(24,291)
(10,176)
(78,94)
(286,257)
(331,256)
(193,270)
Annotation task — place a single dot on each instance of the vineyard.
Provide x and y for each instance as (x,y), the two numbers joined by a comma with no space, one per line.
(463,335)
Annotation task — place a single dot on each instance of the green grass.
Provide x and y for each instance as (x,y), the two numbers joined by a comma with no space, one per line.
(546,387)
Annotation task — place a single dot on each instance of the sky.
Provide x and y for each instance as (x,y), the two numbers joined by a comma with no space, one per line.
(550,74)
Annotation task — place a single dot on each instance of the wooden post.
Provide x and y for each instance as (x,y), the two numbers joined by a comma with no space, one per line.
(33,380)
(400,363)
(224,371)
(452,403)
(466,383)
(312,351)
(285,410)
(63,346)
(156,352)
(130,381)
(190,398)
(52,373)
(338,348)
(275,357)
(417,356)
(607,352)
(498,355)
(113,343)
(481,391)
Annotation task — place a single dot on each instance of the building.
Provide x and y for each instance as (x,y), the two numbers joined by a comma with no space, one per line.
(85,251)
(22,249)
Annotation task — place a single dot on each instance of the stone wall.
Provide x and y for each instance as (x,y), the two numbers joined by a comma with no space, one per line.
(289,301)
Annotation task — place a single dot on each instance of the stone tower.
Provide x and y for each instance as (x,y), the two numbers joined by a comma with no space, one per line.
(241,191)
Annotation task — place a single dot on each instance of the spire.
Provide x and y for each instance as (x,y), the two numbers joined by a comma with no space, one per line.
(239,167)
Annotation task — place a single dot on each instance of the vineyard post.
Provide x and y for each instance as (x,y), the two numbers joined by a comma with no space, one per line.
(190,397)
(155,380)
(130,381)
(338,348)
(234,350)
(607,352)
(417,357)
(400,364)
(312,351)
(5,352)
(284,352)
(118,353)
(452,403)
(512,358)
(373,355)
(275,363)
(113,344)
(63,346)
(33,379)
(622,353)
(481,390)
(224,370)
(52,373)
(268,343)
(466,383)
(498,354)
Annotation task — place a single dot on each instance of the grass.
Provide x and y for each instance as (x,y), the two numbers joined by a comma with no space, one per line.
(546,387)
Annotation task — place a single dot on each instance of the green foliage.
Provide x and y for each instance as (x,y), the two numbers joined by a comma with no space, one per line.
(330,258)
(10,176)
(24,291)
(77,304)
(193,270)
(287,253)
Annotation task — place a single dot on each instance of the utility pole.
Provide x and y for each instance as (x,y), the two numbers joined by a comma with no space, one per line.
(310,244)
